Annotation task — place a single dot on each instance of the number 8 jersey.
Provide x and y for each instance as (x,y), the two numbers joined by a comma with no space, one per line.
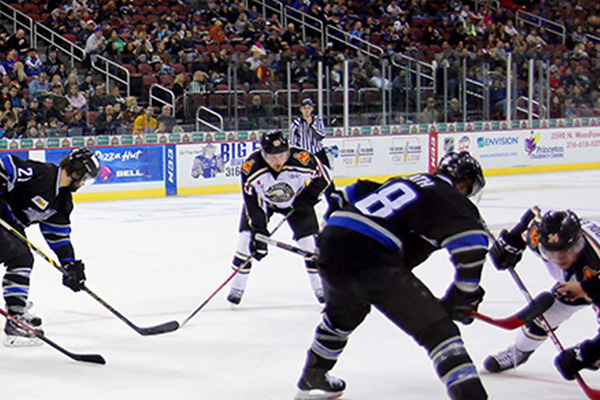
(417,215)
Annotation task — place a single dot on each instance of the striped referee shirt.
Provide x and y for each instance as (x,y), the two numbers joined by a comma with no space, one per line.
(307,136)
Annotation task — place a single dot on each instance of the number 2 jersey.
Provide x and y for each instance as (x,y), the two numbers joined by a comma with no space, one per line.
(263,188)
(34,196)
(415,216)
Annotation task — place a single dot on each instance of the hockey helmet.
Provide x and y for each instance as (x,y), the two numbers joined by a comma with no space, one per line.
(462,166)
(559,230)
(273,142)
(84,161)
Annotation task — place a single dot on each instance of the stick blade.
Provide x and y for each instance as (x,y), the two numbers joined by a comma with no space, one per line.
(91,358)
(537,307)
(159,329)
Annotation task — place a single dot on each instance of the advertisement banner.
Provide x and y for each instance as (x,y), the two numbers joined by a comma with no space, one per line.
(122,164)
(381,155)
(208,164)
(171,170)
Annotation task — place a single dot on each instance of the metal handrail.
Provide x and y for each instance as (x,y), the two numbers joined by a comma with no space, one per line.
(57,40)
(200,120)
(109,75)
(541,107)
(289,15)
(372,50)
(284,91)
(159,100)
(494,4)
(14,16)
(592,37)
(536,20)
(408,67)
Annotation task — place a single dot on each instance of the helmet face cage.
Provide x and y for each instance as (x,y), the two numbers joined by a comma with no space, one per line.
(462,166)
(560,231)
(85,162)
(274,142)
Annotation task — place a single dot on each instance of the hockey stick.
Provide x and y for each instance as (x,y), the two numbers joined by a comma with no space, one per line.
(538,306)
(591,393)
(238,269)
(286,246)
(91,358)
(152,330)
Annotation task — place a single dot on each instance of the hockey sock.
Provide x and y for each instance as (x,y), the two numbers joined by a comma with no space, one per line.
(530,337)
(452,362)
(328,344)
(15,287)
(241,278)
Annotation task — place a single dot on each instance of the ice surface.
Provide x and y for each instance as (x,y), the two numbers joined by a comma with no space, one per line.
(156,260)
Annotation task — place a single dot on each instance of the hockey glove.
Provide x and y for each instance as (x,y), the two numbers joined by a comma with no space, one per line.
(507,250)
(74,277)
(458,303)
(572,360)
(258,249)
(304,200)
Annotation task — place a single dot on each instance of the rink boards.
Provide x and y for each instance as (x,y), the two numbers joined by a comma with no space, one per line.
(139,171)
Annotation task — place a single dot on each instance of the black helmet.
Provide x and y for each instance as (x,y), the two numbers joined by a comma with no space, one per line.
(462,166)
(274,142)
(559,230)
(84,161)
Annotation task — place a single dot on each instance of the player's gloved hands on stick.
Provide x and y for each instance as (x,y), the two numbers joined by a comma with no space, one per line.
(507,250)
(258,249)
(74,277)
(459,303)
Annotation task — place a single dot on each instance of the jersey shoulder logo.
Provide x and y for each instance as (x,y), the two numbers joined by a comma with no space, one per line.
(247,166)
(303,157)
(40,202)
(589,273)
(533,236)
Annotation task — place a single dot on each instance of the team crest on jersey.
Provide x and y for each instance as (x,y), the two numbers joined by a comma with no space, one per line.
(247,166)
(40,202)
(280,192)
(589,273)
(303,157)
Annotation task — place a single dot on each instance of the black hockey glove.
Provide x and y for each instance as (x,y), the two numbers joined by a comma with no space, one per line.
(572,360)
(507,250)
(74,277)
(458,303)
(258,249)
(304,200)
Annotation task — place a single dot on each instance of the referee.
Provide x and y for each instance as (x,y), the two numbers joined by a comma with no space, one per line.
(307,132)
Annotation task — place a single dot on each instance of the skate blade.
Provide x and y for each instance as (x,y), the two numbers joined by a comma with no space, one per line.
(233,306)
(316,394)
(21,341)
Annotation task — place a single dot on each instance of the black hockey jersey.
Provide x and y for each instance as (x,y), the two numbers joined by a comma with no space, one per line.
(417,215)
(34,196)
(262,187)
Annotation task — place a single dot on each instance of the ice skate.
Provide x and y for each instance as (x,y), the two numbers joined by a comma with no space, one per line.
(507,359)
(17,336)
(235,297)
(317,384)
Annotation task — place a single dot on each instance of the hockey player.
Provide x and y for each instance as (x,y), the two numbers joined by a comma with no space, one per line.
(570,250)
(35,192)
(277,179)
(367,252)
